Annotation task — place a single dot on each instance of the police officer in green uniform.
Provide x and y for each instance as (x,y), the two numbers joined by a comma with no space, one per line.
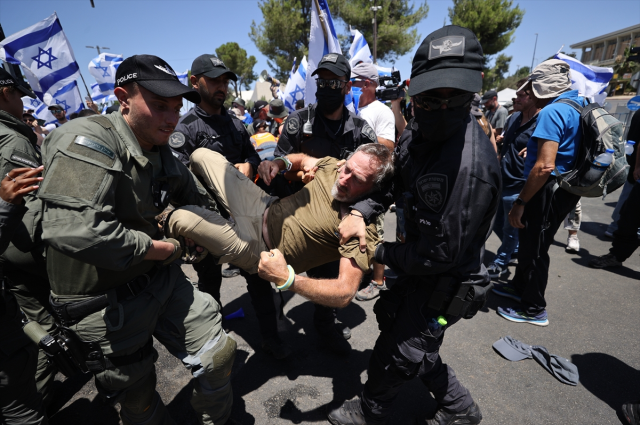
(20,403)
(113,281)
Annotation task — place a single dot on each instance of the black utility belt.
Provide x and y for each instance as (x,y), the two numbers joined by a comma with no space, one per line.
(458,299)
(70,313)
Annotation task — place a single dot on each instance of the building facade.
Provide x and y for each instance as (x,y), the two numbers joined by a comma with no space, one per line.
(605,49)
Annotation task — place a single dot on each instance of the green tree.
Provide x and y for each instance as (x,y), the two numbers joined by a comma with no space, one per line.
(237,61)
(495,74)
(512,80)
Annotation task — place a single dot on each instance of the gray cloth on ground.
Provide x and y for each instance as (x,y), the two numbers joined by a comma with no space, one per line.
(562,369)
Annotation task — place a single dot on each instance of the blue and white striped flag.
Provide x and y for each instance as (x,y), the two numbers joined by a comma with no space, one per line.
(103,68)
(359,50)
(40,110)
(295,86)
(319,45)
(69,98)
(100,97)
(590,81)
(183,77)
(45,55)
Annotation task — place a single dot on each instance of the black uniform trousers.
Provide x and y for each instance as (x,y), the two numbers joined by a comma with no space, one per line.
(260,292)
(532,271)
(324,317)
(409,349)
(625,239)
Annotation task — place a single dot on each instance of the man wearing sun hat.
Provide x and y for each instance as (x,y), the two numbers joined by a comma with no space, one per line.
(449,177)
(113,277)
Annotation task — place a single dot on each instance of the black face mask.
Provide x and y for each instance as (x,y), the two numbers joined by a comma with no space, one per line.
(439,125)
(329,100)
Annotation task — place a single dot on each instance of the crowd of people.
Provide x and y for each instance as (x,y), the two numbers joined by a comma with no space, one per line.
(93,249)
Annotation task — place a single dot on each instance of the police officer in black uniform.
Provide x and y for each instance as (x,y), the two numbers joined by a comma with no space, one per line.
(327,128)
(449,177)
(209,125)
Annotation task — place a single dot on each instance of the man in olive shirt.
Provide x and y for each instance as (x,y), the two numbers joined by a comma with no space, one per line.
(303,226)
(112,276)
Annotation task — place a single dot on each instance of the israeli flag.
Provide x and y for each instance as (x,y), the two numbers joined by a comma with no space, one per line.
(98,96)
(40,110)
(45,55)
(359,50)
(295,86)
(69,98)
(103,68)
(183,77)
(322,40)
(590,81)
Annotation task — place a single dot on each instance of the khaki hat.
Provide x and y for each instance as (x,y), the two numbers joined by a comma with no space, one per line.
(365,70)
(550,79)
(238,113)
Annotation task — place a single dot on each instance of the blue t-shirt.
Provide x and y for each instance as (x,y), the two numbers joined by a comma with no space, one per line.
(247,118)
(559,123)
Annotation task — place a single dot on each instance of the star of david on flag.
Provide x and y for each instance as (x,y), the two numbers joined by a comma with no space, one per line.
(295,86)
(40,62)
(103,68)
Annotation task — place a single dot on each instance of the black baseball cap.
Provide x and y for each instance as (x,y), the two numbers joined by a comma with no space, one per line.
(155,75)
(449,57)
(259,104)
(488,96)
(8,80)
(335,63)
(211,66)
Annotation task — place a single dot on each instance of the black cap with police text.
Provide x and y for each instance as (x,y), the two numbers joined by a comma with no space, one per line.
(335,63)
(155,75)
(450,57)
(8,80)
(211,66)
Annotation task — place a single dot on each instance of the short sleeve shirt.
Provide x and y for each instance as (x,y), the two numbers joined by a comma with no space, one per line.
(380,118)
(498,118)
(304,226)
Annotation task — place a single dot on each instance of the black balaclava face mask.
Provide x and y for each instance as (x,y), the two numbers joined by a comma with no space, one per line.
(439,125)
(329,100)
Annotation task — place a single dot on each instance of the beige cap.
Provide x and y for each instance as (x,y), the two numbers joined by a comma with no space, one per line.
(365,70)
(550,79)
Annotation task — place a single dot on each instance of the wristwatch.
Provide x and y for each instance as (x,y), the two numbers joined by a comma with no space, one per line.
(519,201)
(287,163)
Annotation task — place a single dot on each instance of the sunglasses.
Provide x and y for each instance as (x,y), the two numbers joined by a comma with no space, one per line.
(330,84)
(430,103)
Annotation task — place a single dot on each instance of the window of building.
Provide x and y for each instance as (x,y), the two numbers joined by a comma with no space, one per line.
(611,49)
(586,54)
(597,54)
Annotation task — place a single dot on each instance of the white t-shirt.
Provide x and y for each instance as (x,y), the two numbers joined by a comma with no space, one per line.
(380,118)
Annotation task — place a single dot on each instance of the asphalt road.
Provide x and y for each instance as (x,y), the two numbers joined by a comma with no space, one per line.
(594,322)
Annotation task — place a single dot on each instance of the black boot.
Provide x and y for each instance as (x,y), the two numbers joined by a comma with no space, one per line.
(350,413)
(471,415)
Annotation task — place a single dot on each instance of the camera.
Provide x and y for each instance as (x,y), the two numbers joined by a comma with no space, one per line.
(390,87)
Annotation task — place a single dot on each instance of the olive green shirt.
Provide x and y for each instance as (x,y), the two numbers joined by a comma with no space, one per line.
(304,226)
(99,215)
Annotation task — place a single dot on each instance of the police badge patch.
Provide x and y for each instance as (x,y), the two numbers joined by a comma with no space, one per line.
(177,140)
(433,190)
(217,62)
(368,132)
(293,125)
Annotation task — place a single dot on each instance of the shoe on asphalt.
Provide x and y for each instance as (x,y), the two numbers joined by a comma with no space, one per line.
(506,290)
(333,338)
(346,331)
(512,315)
(496,270)
(471,415)
(608,234)
(350,413)
(632,412)
(278,349)
(231,271)
(604,261)
(573,243)
(372,291)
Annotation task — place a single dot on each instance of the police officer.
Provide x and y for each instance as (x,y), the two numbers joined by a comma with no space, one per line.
(113,279)
(20,401)
(25,273)
(327,128)
(450,180)
(209,125)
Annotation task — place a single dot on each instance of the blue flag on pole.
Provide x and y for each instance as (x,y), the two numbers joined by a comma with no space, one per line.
(319,45)
(183,77)
(45,55)
(590,81)
(295,86)
(359,50)
(103,68)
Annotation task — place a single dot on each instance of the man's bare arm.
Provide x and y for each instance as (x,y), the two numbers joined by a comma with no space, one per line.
(389,144)
(336,293)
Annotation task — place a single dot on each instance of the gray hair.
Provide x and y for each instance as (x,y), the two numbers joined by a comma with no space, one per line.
(383,159)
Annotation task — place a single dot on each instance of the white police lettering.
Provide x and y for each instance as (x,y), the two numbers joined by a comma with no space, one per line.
(165,69)
(6,82)
(452,45)
(331,57)
(425,222)
(127,77)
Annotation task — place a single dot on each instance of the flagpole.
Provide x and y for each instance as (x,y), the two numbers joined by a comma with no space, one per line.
(85,86)
(322,22)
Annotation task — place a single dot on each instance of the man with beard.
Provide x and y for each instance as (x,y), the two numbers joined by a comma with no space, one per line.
(209,125)
(449,177)
(323,129)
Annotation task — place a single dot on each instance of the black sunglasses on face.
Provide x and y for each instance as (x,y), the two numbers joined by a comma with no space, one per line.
(331,84)
(430,103)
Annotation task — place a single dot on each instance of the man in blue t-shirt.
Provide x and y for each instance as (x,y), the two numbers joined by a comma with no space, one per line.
(539,210)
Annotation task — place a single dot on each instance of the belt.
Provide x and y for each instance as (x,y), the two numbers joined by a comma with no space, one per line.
(71,313)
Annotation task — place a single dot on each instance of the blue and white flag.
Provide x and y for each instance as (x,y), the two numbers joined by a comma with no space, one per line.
(45,55)
(590,81)
(322,40)
(384,72)
(40,110)
(103,68)
(295,86)
(359,50)
(183,77)
(69,98)
(100,97)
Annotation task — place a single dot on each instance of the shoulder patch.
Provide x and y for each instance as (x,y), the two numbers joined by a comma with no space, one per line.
(433,190)
(368,132)
(24,160)
(177,140)
(293,125)
(98,147)
(189,119)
